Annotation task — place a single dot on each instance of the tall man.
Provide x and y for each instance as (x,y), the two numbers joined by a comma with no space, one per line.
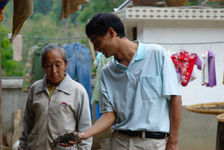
(140,95)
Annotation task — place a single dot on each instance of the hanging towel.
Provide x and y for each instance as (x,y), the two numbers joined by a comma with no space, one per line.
(70,6)
(208,70)
(17,48)
(33,70)
(3,4)
(211,69)
(22,10)
(205,68)
(184,63)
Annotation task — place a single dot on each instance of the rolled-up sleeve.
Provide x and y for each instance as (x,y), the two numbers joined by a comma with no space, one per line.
(169,78)
(105,103)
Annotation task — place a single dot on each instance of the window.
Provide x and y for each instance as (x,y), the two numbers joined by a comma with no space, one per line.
(134,33)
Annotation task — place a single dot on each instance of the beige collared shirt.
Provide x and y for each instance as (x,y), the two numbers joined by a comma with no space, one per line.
(45,118)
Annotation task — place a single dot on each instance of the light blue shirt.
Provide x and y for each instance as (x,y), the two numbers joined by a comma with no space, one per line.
(140,93)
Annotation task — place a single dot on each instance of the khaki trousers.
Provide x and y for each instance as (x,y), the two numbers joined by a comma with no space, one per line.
(124,142)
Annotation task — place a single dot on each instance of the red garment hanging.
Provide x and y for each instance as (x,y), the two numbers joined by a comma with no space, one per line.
(184,63)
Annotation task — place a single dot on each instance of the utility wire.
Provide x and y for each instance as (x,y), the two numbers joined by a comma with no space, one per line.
(48,38)
(189,43)
(82,37)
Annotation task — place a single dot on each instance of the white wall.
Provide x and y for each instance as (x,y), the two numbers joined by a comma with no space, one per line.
(191,32)
(198,131)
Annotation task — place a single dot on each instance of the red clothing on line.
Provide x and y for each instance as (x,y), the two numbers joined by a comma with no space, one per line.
(184,63)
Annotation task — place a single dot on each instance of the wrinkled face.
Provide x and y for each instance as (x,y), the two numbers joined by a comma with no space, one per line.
(103,44)
(54,66)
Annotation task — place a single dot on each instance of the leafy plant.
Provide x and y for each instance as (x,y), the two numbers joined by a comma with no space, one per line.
(95,6)
(9,66)
(193,3)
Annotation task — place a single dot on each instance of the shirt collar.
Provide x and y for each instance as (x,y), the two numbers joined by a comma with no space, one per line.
(139,55)
(64,86)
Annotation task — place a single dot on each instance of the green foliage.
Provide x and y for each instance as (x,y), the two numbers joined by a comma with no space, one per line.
(95,6)
(43,6)
(193,3)
(213,4)
(9,66)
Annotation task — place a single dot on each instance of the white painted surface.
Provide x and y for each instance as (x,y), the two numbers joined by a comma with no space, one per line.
(171,13)
(198,131)
(176,31)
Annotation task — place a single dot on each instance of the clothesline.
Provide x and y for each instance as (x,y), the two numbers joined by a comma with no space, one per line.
(81,37)
(48,38)
(189,43)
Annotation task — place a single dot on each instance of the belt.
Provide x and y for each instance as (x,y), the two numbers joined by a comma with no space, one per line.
(143,134)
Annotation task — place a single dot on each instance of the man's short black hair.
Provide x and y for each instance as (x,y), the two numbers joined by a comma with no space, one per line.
(100,22)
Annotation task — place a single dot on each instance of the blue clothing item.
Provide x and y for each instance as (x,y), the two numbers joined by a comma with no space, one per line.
(79,62)
(98,56)
(3,4)
(98,114)
(140,93)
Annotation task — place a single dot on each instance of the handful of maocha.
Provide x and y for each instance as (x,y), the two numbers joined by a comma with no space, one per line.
(66,138)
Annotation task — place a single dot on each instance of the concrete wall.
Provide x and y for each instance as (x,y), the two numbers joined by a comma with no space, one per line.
(198,131)
(12,99)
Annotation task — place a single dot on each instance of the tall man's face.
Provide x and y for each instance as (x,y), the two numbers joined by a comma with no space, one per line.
(104,44)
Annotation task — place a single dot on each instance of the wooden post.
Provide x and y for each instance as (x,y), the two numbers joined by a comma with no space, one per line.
(17,125)
(220,136)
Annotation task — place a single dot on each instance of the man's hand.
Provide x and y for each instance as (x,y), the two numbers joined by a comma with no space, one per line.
(104,122)
(171,145)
